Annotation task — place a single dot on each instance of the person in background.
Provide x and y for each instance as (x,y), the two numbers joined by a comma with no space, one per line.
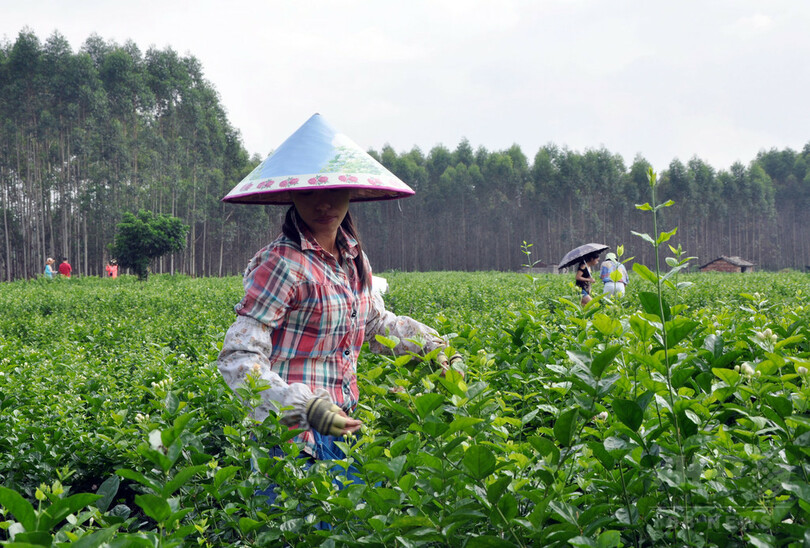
(612,264)
(64,268)
(584,278)
(49,268)
(112,269)
(308,305)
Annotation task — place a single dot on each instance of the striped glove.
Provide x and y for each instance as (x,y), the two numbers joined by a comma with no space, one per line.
(456,363)
(324,417)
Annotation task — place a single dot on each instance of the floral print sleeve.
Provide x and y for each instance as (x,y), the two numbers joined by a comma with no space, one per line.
(384,322)
(245,352)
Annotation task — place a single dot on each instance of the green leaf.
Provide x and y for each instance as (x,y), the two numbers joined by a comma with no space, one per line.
(462,423)
(247,525)
(20,508)
(644,236)
(790,341)
(729,376)
(181,478)
(602,455)
(224,474)
(96,539)
(665,236)
(397,466)
(478,462)
(761,540)
(454,383)
(629,412)
(780,404)
(605,324)
(154,506)
(427,403)
(60,509)
(643,329)
(603,359)
(645,273)
(401,410)
(798,420)
(172,403)
(508,506)
(390,343)
(545,447)
(644,207)
(496,489)
(609,539)
(565,425)
(678,329)
(107,490)
(651,305)
(409,522)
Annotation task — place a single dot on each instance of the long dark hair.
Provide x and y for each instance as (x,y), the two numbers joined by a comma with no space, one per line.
(290,229)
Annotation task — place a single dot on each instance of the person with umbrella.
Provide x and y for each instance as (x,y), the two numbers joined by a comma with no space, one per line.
(585,257)
(308,304)
(584,279)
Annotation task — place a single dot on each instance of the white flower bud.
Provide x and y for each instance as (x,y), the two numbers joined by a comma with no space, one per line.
(746,369)
(801,370)
(737,368)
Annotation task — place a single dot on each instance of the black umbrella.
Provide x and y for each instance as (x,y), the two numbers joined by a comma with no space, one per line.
(576,254)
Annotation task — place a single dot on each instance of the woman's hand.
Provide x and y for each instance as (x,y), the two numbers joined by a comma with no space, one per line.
(328,419)
(351,426)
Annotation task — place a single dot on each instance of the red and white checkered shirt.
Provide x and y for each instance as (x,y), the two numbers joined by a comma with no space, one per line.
(301,324)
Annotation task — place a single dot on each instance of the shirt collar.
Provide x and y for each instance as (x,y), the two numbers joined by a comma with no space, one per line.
(345,243)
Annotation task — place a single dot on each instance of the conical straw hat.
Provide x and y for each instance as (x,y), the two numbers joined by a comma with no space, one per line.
(317,156)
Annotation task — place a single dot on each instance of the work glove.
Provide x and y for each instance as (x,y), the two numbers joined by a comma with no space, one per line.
(456,363)
(325,417)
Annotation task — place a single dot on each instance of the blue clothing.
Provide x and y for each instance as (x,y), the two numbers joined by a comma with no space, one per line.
(327,449)
(48,271)
(610,266)
(611,287)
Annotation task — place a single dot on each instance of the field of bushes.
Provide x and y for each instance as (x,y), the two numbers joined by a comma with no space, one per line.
(631,422)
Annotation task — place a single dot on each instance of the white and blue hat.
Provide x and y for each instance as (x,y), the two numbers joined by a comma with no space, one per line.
(317,156)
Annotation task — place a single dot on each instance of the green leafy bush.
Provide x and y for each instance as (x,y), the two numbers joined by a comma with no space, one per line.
(572,426)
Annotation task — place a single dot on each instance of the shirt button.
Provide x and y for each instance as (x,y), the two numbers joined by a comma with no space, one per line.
(346,352)
(354,313)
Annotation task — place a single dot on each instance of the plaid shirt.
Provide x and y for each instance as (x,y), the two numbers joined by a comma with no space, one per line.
(301,325)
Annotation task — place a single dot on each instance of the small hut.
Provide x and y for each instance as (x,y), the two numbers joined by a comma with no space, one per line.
(539,268)
(728,264)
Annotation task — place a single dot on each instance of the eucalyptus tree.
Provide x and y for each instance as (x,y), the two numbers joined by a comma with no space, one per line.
(542,199)
(701,207)
(787,171)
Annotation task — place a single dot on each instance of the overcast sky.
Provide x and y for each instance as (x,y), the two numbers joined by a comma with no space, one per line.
(720,80)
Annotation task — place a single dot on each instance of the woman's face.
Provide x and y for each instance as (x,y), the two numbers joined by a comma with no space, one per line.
(322,210)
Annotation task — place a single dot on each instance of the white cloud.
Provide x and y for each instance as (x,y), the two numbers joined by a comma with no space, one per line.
(751,26)
(717,79)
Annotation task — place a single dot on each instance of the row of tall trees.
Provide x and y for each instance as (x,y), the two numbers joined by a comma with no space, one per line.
(473,209)
(88,136)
